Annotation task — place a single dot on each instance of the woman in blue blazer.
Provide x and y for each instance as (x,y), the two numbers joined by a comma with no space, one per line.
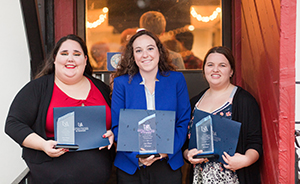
(145,79)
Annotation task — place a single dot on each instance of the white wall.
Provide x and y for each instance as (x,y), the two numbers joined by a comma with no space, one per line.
(14,73)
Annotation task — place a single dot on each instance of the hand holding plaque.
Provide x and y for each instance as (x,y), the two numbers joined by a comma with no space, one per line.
(205,138)
(65,132)
(147,136)
(144,131)
(83,125)
(214,135)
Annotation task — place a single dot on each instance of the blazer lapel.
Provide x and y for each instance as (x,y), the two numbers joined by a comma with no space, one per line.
(137,94)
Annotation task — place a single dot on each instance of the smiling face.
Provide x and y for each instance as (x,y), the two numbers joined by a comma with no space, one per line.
(70,62)
(217,70)
(146,55)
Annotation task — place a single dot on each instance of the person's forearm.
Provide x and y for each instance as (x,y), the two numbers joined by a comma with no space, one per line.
(252,156)
(34,141)
(185,153)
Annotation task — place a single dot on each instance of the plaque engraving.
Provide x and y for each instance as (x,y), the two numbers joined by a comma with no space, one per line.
(147,135)
(204,135)
(65,131)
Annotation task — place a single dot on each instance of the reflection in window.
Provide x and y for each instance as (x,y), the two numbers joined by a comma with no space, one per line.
(110,23)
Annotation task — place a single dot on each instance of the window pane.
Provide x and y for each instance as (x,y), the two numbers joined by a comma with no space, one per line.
(107,19)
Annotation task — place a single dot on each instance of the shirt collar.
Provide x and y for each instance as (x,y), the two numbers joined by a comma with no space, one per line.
(143,81)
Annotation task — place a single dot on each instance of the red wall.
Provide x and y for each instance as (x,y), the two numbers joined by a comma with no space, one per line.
(266,68)
(64,18)
(287,91)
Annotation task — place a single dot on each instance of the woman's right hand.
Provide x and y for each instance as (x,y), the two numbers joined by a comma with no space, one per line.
(188,154)
(51,151)
(110,135)
(34,141)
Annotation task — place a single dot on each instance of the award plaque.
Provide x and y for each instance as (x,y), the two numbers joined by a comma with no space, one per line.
(204,135)
(205,138)
(147,136)
(146,132)
(80,128)
(210,134)
(65,132)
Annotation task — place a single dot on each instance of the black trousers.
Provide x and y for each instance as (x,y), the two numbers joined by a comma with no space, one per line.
(159,172)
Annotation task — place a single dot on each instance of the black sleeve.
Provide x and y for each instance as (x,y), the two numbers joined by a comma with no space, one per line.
(22,113)
(247,111)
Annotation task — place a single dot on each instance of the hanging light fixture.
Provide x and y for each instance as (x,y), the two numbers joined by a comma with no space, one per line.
(201,18)
(102,18)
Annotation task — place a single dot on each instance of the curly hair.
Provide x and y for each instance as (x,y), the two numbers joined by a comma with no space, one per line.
(128,66)
(49,68)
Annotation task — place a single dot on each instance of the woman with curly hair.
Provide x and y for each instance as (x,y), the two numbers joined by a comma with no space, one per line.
(145,79)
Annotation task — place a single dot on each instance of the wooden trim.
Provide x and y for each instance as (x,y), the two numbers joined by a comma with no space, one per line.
(287,91)
(64,18)
(33,34)
(236,41)
(21,177)
(226,23)
(49,26)
(81,12)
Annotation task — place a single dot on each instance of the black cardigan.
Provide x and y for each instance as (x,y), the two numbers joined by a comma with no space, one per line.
(28,112)
(245,110)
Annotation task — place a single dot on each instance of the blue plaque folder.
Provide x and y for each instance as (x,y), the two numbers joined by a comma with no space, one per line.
(225,135)
(130,123)
(86,123)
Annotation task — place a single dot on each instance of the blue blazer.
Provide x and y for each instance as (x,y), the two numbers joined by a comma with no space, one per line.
(170,94)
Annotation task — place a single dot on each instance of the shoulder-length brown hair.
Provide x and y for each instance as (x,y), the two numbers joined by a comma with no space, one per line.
(49,68)
(127,64)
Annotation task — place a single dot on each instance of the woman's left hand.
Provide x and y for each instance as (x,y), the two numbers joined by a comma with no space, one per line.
(110,135)
(151,159)
(238,161)
(234,162)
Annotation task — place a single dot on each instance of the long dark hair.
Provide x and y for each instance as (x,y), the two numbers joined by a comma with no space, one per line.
(127,64)
(225,51)
(48,67)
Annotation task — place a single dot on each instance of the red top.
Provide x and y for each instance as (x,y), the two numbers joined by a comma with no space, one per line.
(60,99)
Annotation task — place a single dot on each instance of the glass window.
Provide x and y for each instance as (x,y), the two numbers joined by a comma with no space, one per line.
(108,21)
